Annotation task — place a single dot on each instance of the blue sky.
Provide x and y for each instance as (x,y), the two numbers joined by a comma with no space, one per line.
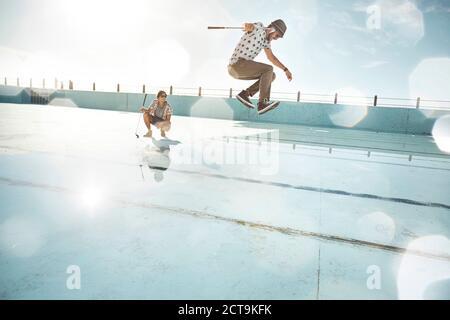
(329,46)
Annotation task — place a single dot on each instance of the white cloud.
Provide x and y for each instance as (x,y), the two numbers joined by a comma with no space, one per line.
(304,14)
(343,19)
(437,8)
(374,64)
(117,40)
(365,49)
(27,64)
(166,61)
(401,22)
(335,49)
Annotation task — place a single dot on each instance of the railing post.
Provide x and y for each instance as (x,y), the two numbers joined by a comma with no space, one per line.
(31,82)
(70,85)
(231,93)
(199,91)
(18,82)
(143,88)
(62,85)
(375,100)
(171,90)
(298,96)
(6,81)
(335,98)
(56,84)
(418,103)
(43,83)
(118,87)
(93,86)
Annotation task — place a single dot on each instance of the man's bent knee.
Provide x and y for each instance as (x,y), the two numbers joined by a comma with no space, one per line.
(165,125)
(269,68)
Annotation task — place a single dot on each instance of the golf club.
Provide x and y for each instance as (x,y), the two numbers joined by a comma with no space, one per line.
(142,172)
(137,127)
(228,28)
(218,28)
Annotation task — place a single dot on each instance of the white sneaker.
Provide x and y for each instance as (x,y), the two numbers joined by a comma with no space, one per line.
(266,106)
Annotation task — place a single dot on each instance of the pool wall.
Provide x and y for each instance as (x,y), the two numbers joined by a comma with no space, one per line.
(378,119)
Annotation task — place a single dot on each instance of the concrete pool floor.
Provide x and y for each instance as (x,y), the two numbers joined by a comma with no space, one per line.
(218,210)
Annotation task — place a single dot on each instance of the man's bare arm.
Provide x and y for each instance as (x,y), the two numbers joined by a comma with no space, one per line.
(272,58)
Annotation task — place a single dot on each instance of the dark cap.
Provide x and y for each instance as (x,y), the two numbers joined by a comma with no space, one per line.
(279,26)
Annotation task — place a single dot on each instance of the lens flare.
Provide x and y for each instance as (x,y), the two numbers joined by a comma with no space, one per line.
(352,108)
(377,227)
(417,275)
(92,198)
(441,133)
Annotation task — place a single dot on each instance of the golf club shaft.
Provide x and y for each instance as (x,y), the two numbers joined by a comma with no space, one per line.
(222,28)
(139,122)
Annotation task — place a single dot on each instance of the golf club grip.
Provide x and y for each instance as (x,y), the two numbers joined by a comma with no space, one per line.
(145,98)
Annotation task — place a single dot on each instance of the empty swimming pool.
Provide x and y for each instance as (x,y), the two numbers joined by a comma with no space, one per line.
(219,209)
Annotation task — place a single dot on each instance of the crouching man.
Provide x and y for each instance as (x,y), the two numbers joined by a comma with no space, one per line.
(158,114)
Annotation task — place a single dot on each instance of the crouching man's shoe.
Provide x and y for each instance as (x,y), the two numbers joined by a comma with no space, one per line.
(148,134)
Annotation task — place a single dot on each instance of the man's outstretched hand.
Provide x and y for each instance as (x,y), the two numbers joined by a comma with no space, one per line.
(289,75)
(249,27)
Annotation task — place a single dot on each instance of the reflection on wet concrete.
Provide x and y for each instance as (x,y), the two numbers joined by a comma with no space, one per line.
(157,157)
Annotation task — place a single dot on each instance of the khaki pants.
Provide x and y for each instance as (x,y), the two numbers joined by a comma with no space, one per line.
(252,70)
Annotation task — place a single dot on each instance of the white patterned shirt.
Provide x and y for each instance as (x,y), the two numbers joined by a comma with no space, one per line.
(160,112)
(251,44)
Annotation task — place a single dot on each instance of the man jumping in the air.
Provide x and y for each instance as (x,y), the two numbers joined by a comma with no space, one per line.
(242,66)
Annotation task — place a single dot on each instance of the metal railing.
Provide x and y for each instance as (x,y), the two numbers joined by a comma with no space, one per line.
(299,96)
